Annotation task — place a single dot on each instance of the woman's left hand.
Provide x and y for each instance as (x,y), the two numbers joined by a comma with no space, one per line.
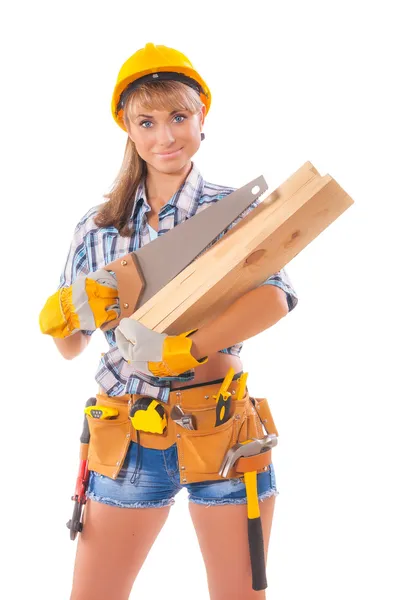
(156,354)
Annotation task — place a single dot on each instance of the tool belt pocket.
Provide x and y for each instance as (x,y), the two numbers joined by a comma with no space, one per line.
(262,413)
(109,438)
(202,450)
(251,427)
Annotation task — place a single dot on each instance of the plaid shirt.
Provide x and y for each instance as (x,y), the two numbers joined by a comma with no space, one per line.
(92,248)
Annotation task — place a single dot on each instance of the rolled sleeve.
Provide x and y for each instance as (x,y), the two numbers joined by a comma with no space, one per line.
(76,263)
(281,279)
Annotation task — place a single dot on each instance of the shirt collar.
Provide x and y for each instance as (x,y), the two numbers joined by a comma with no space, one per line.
(186,199)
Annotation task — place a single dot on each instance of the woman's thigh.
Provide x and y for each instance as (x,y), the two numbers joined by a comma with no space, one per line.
(219,514)
(223,538)
(112,548)
(121,521)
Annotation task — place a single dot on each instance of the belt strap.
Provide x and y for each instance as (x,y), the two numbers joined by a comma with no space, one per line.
(253,463)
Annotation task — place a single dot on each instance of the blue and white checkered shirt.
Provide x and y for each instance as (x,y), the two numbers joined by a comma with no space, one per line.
(92,248)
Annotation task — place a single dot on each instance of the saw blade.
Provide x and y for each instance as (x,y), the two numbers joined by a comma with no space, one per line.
(166,256)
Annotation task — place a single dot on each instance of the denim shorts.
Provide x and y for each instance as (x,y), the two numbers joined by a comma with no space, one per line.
(156,482)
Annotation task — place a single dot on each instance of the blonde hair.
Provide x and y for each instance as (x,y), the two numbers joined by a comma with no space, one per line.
(157,95)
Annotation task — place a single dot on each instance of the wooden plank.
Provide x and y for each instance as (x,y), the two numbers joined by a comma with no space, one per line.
(258,246)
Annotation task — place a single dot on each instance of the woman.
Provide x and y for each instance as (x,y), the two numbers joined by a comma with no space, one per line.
(161,102)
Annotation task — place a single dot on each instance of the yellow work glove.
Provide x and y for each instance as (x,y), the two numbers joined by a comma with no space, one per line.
(156,354)
(88,303)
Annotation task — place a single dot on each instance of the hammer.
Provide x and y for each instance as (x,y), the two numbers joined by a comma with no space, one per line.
(247,449)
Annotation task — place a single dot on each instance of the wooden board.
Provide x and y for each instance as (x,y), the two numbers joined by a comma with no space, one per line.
(253,250)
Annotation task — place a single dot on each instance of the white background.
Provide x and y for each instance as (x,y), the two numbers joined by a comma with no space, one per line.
(291,82)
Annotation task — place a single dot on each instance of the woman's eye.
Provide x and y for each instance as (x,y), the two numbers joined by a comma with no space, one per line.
(143,123)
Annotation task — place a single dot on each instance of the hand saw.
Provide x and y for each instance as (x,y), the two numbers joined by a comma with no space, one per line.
(142,273)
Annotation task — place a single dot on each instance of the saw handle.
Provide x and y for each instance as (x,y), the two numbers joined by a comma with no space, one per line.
(130,284)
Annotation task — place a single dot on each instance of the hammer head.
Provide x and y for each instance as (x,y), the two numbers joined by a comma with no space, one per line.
(251,448)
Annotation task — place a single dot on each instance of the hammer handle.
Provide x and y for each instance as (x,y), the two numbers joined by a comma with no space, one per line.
(255,533)
(256,545)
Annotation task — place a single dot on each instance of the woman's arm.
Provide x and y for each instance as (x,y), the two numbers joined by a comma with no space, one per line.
(72,345)
(250,314)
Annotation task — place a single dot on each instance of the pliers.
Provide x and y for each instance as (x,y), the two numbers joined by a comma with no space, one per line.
(75,524)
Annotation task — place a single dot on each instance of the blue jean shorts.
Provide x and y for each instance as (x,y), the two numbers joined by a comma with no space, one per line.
(156,482)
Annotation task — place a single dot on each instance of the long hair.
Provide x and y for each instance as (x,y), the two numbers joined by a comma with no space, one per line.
(157,95)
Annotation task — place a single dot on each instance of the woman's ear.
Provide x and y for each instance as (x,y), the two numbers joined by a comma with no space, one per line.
(203,115)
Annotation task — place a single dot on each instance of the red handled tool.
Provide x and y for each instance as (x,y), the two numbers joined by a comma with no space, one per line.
(75,524)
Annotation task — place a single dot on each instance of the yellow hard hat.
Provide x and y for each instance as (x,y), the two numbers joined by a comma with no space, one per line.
(155,63)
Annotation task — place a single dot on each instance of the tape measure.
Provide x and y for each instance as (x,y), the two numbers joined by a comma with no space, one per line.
(148,414)
(101,412)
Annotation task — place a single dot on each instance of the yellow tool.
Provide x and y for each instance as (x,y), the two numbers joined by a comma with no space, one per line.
(248,457)
(241,386)
(101,412)
(223,399)
(254,532)
(148,414)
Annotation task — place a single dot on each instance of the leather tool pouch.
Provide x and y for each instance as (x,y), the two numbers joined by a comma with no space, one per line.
(109,438)
(200,451)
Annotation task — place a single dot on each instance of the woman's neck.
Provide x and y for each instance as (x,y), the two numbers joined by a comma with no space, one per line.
(160,187)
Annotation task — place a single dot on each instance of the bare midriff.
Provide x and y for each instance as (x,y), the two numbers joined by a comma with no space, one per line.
(215,368)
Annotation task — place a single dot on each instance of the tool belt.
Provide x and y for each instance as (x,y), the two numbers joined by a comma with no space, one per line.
(201,451)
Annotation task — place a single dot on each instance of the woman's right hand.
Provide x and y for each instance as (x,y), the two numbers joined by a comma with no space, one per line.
(87,304)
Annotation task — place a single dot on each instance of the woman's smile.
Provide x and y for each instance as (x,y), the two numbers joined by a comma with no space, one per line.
(166,155)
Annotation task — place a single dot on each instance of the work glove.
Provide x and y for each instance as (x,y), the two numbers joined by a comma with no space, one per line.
(156,354)
(87,304)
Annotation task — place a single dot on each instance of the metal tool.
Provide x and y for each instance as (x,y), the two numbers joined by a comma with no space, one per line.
(75,524)
(251,448)
(156,264)
(181,418)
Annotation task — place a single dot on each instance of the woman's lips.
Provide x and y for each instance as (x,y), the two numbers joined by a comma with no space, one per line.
(169,154)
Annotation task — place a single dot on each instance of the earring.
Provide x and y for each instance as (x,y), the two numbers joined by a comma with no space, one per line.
(202,136)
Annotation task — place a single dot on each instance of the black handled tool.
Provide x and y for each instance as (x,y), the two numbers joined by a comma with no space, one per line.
(223,399)
(247,449)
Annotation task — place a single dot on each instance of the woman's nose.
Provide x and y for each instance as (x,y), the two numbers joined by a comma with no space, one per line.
(165,136)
